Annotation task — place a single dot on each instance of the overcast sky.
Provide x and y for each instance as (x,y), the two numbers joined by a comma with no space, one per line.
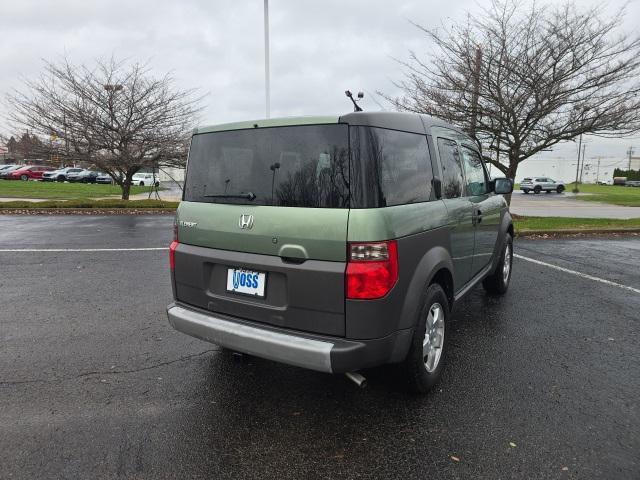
(318,48)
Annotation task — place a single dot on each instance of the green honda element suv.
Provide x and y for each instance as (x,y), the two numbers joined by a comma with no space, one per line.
(336,243)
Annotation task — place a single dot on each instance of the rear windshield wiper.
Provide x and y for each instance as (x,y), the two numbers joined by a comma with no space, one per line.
(248,196)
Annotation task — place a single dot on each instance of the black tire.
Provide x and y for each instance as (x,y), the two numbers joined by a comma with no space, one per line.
(142,184)
(560,189)
(526,191)
(24,178)
(547,191)
(419,378)
(498,282)
(537,189)
(60,178)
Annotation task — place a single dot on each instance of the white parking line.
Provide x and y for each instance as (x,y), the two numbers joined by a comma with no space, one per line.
(44,250)
(578,274)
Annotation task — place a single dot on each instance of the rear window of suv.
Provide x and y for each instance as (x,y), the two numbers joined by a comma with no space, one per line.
(292,166)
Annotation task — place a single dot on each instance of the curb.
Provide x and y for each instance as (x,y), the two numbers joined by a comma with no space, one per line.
(87,211)
(577,231)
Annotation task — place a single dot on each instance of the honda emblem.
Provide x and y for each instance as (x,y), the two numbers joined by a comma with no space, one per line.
(246,222)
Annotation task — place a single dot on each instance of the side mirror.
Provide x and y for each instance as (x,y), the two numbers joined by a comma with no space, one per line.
(503,186)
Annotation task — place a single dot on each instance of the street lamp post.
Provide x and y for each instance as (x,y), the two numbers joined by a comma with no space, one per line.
(575,189)
(267,85)
(273,168)
(585,109)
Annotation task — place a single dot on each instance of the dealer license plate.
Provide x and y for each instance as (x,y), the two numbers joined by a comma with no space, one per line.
(246,281)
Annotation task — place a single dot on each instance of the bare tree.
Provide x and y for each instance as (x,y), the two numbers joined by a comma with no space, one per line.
(522,78)
(114,115)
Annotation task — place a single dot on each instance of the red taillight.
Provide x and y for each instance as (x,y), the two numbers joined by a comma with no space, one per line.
(372,269)
(172,255)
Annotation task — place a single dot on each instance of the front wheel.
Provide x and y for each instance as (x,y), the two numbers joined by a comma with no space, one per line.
(425,360)
(560,189)
(537,190)
(24,177)
(498,282)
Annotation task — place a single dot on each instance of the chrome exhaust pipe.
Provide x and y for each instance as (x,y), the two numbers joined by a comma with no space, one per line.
(356,378)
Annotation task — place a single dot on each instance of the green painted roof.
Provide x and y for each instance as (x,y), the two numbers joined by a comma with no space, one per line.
(268,122)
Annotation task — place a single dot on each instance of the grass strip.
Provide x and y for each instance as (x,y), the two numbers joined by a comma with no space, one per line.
(80,203)
(571,224)
(61,191)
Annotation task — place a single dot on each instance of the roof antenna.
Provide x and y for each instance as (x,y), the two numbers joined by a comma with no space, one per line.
(356,107)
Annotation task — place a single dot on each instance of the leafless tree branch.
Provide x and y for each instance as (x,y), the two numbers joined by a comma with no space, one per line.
(548,73)
(114,115)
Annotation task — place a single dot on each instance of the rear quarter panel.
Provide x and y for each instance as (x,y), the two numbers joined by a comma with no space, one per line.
(424,245)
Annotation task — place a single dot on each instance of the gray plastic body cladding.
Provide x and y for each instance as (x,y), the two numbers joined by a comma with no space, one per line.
(307,296)
(308,350)
(420,256)
(505,222)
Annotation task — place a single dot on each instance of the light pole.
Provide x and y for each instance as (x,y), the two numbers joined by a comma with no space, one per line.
(267,85)
(584,147)
(584,111)
(575,189)
(273,168)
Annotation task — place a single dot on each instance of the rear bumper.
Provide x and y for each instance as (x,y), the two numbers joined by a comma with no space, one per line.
(315,352)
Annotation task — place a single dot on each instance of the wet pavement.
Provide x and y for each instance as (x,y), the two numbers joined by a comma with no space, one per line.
(541,383)
(565,205)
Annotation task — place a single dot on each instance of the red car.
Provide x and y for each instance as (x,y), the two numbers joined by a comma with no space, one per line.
(28,172)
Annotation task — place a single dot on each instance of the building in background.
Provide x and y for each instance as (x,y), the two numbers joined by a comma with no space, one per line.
(595,169)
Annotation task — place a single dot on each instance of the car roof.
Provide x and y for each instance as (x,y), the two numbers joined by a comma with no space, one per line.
(405,121)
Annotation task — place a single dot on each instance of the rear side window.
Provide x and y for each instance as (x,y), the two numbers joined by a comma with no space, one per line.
(452,179)
(476,176)
(293,166)
(389,167)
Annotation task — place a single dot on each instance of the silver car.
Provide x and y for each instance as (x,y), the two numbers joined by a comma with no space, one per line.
(540,184)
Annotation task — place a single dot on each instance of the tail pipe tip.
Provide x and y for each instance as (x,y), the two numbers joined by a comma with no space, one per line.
(356,378)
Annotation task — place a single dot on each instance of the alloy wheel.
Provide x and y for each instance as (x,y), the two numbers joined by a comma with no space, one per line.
(506,263)
(433,341)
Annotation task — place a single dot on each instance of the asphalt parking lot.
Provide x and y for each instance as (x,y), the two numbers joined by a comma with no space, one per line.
(566,205)
(94,383)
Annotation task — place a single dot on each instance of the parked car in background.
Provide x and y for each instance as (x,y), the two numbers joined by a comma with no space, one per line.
(632,183)
(5,170)
(541,184)
(145,179)
(28,172)
(60,175)
(104,178)
(83,176)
